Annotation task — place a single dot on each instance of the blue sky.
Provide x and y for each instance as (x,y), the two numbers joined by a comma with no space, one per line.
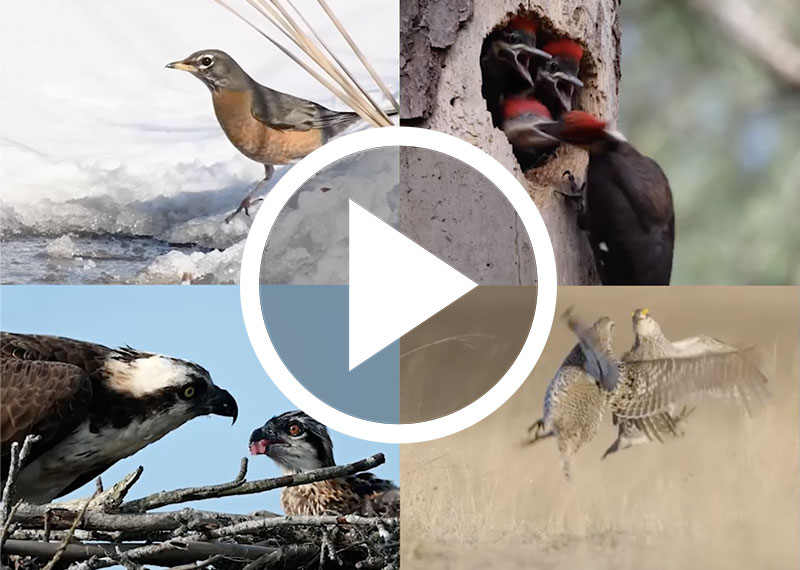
(202,324)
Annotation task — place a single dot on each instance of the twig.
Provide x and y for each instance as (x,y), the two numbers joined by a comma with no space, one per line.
(7,523)
(261,561)
(93,563)
(32,516)
(196,565)
(15,463)
(250,526)
(68,537)
(177,496)
(108,500)
(194,551)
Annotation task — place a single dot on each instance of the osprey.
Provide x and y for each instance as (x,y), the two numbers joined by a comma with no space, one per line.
(92,406)
(297,443)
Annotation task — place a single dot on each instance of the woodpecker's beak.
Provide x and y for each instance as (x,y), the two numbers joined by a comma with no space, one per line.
(523,132)
(183,66)
(568,77)
(519,56)
(220,402)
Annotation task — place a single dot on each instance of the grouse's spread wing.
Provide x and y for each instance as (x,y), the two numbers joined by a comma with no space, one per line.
(702,344)
(287,112)
(48,399)
(659,385)
(379,497)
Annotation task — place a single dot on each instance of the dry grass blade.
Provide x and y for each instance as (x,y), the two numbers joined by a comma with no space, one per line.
(371,70)
(333,89)
(462,338)
(344,86)
(281,18)
(339,62)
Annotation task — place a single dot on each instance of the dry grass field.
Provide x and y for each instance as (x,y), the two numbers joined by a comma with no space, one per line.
(726,495)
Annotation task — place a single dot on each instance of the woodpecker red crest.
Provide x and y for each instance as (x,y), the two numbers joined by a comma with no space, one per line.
(564,48)
(519,106)
(523,24)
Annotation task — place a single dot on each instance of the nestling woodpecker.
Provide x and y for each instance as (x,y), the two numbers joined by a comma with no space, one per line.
(557,78)
(626,204)
(521,118)
(509,63)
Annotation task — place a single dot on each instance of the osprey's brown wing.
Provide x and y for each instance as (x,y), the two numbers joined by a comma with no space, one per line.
(379,497)
(46,389)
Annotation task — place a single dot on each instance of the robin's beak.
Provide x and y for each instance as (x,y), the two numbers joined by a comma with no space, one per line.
(183,66)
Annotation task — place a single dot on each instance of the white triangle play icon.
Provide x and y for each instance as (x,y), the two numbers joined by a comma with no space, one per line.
(394,284)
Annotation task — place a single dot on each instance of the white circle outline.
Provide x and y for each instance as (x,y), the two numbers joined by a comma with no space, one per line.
(369,139)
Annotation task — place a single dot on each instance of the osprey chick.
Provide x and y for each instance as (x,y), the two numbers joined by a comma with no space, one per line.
(298,443)
(92,406)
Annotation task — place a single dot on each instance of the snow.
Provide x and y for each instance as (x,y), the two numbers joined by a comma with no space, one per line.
(61,248)
(98,137)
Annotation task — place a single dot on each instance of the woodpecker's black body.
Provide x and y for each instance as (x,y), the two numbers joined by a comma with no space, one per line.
(627,204)
(629,216)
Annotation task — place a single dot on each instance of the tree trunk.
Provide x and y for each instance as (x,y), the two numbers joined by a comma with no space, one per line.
(440,84)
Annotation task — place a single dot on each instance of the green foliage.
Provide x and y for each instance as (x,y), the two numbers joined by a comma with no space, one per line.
(727,134)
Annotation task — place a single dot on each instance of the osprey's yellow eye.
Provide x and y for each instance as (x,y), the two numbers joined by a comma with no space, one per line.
(295,430)
(188,392)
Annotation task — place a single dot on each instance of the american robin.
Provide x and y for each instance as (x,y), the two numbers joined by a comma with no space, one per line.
(265,125)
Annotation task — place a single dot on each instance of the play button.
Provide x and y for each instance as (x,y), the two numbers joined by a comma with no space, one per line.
(384,264)
(359,284)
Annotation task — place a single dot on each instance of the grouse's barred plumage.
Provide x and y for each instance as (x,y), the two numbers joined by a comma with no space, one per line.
(642,393)
(574,403)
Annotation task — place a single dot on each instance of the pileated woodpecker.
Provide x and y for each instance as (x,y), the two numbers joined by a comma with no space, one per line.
(557,79)
(509,63)
(627,204)
(521,118)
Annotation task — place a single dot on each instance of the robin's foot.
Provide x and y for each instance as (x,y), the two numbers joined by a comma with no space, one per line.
(249,200)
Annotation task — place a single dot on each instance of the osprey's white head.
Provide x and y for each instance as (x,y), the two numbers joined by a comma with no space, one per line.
(165,383)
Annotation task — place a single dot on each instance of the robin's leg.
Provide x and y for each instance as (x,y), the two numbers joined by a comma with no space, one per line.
(248,201)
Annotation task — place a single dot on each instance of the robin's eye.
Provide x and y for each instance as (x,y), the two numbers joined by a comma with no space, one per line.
(188,392)
(206,61)
(295,430)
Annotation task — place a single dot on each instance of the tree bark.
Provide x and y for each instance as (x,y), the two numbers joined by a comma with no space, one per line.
(440,84)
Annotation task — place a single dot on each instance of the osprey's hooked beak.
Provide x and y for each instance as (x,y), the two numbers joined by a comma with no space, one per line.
(261,439)
(221,403)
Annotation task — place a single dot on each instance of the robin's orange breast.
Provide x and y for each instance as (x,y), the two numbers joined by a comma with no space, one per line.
(256,140)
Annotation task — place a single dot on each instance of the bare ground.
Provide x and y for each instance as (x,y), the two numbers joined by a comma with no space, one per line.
(726,495)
